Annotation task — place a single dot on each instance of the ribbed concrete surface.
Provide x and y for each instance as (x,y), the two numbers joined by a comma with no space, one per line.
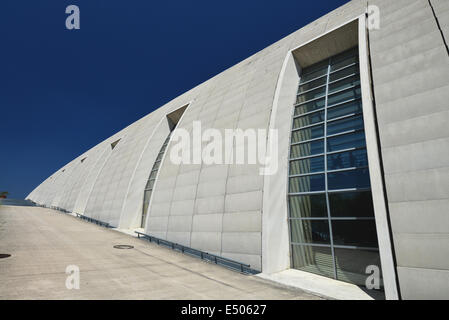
(42,242)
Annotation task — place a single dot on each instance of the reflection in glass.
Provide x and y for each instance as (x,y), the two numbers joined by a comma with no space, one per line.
(316,260)
(346,141)
(310,231)
(349,179)
(308,120)
(344,96)
(308,133)
(351,264)
(329,191)
(308,165)
(311,95)
(306,184)
(312,84)
(349,159)
(344,109)
(308,206)
(344,84)
(347,124)
(309,106)
(307,149)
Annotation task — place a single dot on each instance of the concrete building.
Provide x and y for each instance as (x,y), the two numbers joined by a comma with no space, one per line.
(359,99)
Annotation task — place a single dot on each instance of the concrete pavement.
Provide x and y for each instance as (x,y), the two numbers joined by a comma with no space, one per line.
(43,242)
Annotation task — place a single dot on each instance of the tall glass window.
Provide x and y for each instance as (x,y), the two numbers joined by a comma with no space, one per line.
(332,226)
(152,179)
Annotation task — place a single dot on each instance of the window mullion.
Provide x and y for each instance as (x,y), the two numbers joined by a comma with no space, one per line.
(325,170)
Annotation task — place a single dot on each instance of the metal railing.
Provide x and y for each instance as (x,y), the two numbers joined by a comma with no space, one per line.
(89,219)
(228,263)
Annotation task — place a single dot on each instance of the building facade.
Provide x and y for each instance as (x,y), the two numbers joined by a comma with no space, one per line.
(359,103)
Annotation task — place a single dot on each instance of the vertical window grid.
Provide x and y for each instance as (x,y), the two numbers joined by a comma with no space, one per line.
(331,217)
(152,179)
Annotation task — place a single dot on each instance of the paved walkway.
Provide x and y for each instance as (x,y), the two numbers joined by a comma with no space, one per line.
(43,242)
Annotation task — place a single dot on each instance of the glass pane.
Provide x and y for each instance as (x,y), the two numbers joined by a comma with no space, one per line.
(308,206)
(351,264)
(361,233)
(351,204)
(346,95)
(307,149)
(150,184)
(314,71)
(313,84)
(144,213)
(346,141)
(311,95)
(349,179)
(347,124)
(344,73)
(316,260)
(344,59)
(310,106)
(153,174)
(310,231)
(308,120)
(306,184)
(308,134)
(146,196)
(349,159)
(344,109)
(307,165)
(156,165)
(344,84)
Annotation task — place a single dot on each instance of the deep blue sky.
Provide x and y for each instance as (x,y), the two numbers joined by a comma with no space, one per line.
(63,91)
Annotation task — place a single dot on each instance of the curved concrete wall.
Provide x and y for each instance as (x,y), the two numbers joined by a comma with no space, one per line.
(219,208)
(215,208)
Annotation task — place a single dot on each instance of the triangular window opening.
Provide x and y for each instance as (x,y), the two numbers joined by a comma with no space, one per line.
(114,144)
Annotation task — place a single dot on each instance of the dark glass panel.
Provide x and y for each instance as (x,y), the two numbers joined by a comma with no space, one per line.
(310,106)
(346,141)
(307,184)
(351,264)
(351,204)
(307,149)
(310,231)
(153,174)
(316,260)
(344,84)
(343,59)
(308,133)
(314,71)
(347,124)
(159,156)
(349,179)
(308,119)
(360,233)
(310,206)
(150,184)
(156,165)
(344,73)
(311,95)
(312,84)
(308,165)
(343,96)
(349,159)
(344,109)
